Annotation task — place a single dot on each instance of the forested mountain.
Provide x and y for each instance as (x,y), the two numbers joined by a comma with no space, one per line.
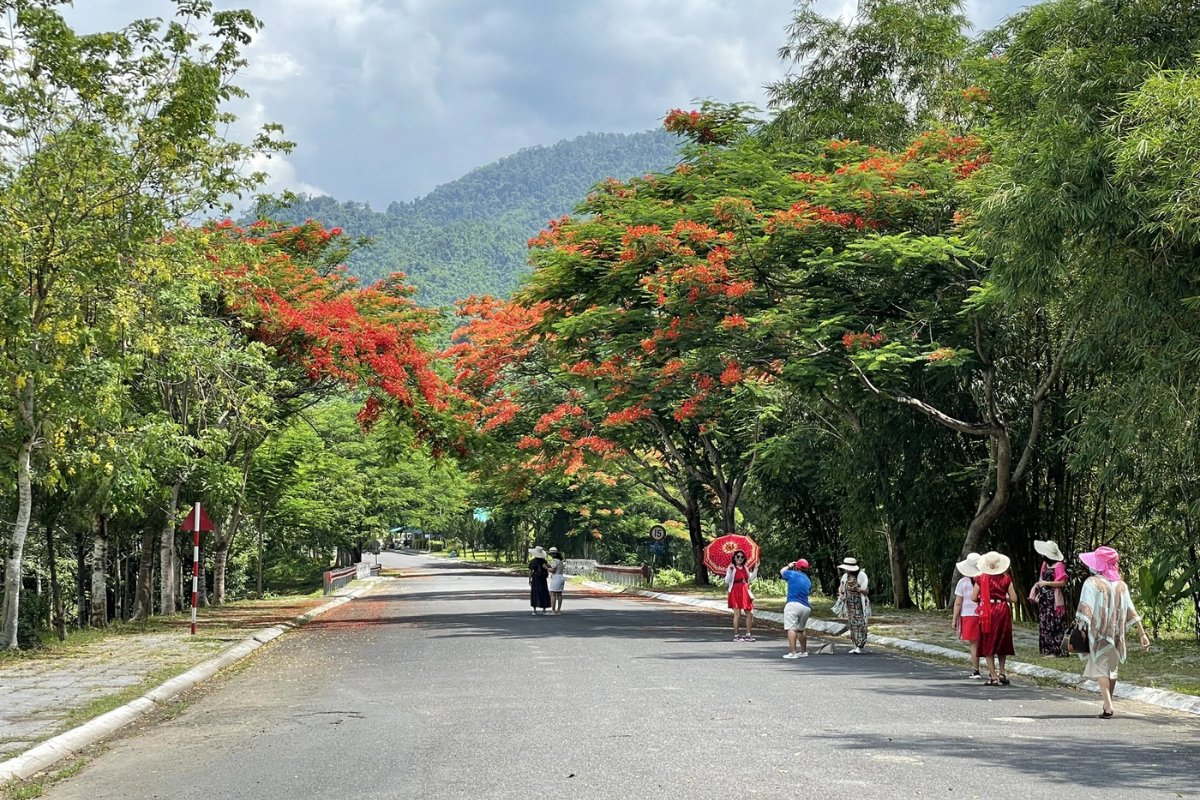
(469,236)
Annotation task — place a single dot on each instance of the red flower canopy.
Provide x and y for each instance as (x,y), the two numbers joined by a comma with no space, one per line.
(719,553)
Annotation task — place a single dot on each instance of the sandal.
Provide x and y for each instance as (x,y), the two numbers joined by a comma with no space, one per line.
(1106,715)
(1004,681)
(992,682)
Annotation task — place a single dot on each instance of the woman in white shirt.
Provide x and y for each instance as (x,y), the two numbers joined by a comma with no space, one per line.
(965,620)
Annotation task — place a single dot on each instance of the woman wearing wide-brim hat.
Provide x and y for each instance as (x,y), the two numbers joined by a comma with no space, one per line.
(1105,611)
(1047,593)
(966,618)
(854,602)
(539,592)
(994,593)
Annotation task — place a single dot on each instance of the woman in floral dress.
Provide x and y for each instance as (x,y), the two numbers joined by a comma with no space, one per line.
(1047,592)
(854,602)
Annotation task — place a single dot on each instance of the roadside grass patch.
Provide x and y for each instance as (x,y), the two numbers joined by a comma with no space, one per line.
(102,705)
(27,790)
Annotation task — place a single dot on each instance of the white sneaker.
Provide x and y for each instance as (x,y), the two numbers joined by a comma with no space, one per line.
(804,654)
(855,651)
(793,655)
(534,614)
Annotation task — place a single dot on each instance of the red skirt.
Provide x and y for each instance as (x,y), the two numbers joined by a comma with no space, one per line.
(999,640)
(970,628)
(739,597)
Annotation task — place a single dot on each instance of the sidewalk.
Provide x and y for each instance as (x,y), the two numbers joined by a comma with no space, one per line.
(43,693)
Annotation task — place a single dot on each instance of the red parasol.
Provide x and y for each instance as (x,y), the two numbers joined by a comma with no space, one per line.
(719,553)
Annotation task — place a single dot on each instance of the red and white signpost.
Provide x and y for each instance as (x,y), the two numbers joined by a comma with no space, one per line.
(197,521)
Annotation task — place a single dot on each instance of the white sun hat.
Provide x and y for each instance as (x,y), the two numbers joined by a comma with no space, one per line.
(969,566)
(1049,549)
(849,565)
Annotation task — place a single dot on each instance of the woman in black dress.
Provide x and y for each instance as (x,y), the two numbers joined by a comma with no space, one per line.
(539,591)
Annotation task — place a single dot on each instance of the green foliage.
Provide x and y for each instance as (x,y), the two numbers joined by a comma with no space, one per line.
(468,237)
(880,77)
(1162,585)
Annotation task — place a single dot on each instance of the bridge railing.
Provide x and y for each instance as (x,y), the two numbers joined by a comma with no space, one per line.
(623,576)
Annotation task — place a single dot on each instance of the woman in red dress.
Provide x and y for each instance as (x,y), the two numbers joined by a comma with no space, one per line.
(994,593)
(737,580)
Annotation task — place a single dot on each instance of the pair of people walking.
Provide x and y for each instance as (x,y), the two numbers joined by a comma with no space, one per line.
(547,580)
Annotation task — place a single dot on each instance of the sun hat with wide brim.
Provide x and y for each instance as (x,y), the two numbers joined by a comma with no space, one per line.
(1049,549)
(993,563)
(552,550)
(849,565)
(1103,560)
(969,566)
(537,552)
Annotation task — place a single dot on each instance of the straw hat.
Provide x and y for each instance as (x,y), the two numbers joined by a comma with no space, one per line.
(1049,549)
(537,552)
(969,566)
(849,565)
(552,550)
(993,563)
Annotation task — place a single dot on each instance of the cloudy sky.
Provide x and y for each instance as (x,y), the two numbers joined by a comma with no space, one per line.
(386,99)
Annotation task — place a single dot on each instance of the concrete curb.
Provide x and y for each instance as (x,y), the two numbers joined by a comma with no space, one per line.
(1162,698)
(67,744)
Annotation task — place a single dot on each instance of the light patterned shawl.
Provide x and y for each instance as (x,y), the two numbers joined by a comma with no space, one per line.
(1106,608)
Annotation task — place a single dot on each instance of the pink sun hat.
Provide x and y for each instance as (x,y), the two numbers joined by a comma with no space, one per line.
(1103,560)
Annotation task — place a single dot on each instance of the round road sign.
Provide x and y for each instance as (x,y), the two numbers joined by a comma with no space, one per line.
(658,533)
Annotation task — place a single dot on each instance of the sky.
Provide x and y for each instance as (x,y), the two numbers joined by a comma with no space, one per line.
(387,99)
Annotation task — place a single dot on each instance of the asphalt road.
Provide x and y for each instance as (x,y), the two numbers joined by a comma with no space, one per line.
(441,685)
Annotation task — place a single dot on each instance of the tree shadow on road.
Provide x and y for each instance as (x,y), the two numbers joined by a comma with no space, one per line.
(1101,762)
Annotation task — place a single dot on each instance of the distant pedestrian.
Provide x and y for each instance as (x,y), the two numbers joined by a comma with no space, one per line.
(965,620)
(994,593)
(1106,610)
(558,580)
(854,602)
(797,609)
(1047,593)
(737,580)
(539,593)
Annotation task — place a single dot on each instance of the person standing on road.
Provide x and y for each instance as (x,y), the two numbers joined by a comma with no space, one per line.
(1105,611)
(854,602)
(994,593)
(965,620)
(1047,592)
(737,580)
(798,608)
(558,580)
(539,593)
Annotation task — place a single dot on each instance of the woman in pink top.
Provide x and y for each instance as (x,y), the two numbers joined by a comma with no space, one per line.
(1048,594)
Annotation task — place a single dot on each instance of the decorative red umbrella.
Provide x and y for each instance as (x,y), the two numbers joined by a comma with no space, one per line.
(719,553)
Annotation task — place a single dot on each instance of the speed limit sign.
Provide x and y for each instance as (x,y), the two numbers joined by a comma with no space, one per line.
(658,533)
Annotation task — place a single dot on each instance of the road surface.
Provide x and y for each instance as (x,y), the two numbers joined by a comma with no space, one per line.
(441,685)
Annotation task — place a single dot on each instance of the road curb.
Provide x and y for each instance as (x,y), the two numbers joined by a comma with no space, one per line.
(71,742)
(1162,698)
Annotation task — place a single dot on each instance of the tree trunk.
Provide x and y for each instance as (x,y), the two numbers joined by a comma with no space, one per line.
(696,535)
(898,559)
(260,553)
(99,615)
(201,578)
(1195,594)
(166,554)
(16,547)
(220,559)
(143,605)
(221,545)
(81,582)
(60,621)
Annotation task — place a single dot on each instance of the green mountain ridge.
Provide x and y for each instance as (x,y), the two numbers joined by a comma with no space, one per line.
(469,236)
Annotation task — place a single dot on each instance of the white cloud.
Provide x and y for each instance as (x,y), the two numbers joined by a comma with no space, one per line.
(388,98)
